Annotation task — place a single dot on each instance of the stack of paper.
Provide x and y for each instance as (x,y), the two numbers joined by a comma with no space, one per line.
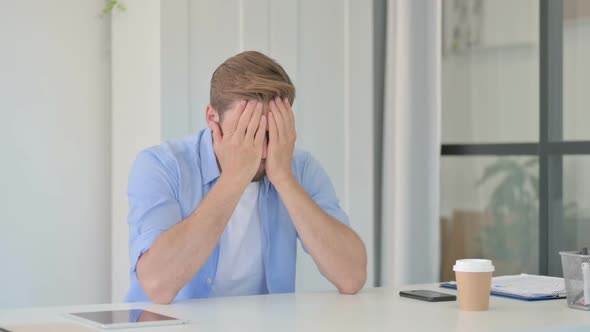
(525,287)
(529,285)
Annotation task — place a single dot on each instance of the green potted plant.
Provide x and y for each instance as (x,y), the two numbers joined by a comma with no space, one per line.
(511,239)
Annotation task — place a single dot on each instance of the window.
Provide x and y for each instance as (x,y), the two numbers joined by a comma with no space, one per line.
(515,167)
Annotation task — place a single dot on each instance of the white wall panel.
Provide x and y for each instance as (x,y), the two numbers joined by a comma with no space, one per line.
(54,167)
(359,133)
(136,115)
(176,93)
(214,36)
(321,108)
(284,35)
(254,25)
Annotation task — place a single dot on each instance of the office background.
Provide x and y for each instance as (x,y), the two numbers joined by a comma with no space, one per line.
(381,85)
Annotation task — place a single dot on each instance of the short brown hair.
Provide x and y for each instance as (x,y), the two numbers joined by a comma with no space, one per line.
(249,75)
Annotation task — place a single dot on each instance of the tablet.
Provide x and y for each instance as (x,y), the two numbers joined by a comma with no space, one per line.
(117,319)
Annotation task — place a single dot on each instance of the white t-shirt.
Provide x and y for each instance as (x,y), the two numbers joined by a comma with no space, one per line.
(240,270)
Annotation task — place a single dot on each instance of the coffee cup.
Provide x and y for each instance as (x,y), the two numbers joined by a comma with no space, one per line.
(474,282)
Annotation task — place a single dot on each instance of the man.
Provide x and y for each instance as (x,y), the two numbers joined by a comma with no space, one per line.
(219,214)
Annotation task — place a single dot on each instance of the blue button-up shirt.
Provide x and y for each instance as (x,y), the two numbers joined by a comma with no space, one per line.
(166,184)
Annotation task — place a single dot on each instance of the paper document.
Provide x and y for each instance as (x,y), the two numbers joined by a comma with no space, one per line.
(528,285)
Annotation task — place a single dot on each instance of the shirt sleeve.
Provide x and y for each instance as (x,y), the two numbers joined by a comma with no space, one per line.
(318,186)
(153,206)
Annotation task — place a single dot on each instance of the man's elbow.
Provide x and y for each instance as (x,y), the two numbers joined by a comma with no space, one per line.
(161,298)
(354,284)
(355,281)
(157,292)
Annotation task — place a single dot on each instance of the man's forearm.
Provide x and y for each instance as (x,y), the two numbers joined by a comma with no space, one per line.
(180,252)
(336,249)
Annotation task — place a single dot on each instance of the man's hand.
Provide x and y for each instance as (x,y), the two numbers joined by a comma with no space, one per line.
(239,151)
(281,143)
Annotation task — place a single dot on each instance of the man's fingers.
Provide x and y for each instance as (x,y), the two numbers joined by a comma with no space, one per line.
(289,110)
(283,108)
(245,117)
(273,134)
(261,132)
(254,122)
(232,123)
(278,117)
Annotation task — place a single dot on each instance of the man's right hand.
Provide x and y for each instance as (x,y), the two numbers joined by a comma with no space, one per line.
(239,149)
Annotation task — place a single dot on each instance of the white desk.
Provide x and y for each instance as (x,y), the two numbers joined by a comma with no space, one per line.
(371,310)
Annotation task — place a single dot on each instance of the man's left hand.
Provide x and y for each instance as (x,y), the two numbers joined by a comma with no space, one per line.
(281,143)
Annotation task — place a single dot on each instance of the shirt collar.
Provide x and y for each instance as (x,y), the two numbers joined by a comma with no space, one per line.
(265,184)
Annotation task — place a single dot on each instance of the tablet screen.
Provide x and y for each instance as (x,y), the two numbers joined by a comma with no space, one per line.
(123,316)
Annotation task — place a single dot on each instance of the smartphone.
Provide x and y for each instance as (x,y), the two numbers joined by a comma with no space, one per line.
(426,295)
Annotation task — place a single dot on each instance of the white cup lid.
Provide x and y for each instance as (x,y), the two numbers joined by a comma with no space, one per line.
(473,265)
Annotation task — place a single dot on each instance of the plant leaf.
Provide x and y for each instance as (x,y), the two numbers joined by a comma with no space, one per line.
(491,170)
(531,162)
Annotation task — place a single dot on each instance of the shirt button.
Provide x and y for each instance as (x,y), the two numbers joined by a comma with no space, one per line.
(208,280)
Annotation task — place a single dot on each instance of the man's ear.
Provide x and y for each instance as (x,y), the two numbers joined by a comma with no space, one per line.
(211,115)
